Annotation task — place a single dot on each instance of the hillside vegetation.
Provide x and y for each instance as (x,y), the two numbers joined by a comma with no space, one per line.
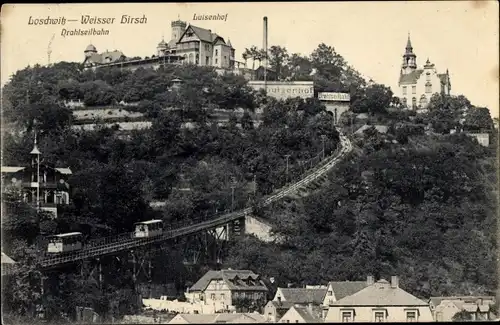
(420,207)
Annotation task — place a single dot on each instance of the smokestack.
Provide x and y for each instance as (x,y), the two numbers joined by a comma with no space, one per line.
(264,46)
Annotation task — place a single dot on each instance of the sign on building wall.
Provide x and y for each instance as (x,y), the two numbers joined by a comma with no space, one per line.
(283,90)
(335,97)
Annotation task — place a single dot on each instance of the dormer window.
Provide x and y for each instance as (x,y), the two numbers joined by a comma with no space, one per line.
(189,34)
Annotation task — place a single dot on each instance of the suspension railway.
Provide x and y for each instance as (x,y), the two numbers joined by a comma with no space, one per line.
(127,241)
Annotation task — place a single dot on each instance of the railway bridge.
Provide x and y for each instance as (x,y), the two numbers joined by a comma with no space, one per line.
(202,236)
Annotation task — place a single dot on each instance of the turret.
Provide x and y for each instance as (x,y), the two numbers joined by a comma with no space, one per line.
(90,50)
(409,58)
(178,28)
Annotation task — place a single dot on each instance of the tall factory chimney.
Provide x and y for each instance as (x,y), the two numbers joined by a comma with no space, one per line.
(264,46)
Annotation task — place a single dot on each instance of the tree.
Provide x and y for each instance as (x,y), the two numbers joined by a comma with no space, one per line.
(374,99)
(462,316)
(477,119)
(278,59)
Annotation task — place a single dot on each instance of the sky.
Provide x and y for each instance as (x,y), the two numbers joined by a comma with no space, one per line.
(461,36)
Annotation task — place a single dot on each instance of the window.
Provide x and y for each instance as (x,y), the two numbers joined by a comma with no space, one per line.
(379,316)
(428,76)
(413,102)
(216,60)
(347,316)
(212,296)
(413,89)
(330,293)
(405,102)
(216,52)
(411,316)
(296,321)
(428,88)
(222,296)
(207,60)
(197,58)
(404,90)
(423,101)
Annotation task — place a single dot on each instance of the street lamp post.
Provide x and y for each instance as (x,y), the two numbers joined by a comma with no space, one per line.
(37,153)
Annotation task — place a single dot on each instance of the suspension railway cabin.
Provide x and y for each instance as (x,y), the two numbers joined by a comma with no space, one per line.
(64,243)
(149,228)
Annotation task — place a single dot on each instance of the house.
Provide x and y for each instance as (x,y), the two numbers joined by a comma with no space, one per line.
(225,288)
(302,314)
(417,86)
(482,138)
(337,290)
(275,310)
(301,296)
(380,129)
(285,298)
(444,308)
(380,302)
(39,184)
(233,318)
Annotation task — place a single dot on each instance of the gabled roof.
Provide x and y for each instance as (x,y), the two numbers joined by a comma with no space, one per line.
(203,34)
(6,259)
(100,58)
(306,314)
(410,78)
(11,169)
(303,296)
(235,280)
(343,289)
(380,294)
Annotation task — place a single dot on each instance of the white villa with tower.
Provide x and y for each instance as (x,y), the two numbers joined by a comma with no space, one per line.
(416,86)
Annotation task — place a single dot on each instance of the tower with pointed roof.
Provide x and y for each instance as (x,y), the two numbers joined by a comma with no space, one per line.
(409,58)
(417,86)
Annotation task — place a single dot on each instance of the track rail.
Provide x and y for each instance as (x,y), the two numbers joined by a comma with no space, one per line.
(126,241)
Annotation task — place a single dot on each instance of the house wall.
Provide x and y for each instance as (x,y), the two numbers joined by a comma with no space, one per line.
(258,228)
(420,88)
(482,138)
(181,307)
(329,297)
(292,316)
(218,294)
(336,108)
(283,90)
(445,311)
(270,313)
(366,314)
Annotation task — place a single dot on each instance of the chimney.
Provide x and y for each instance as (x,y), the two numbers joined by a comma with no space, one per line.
(394,282)
(290,285)
(264,45)
(310,308)
(369,280)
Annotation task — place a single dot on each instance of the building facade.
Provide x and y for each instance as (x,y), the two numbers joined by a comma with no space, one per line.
(379,302)
(189,44)
(478,307)
(40,185)
(416,86)
(223,289)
